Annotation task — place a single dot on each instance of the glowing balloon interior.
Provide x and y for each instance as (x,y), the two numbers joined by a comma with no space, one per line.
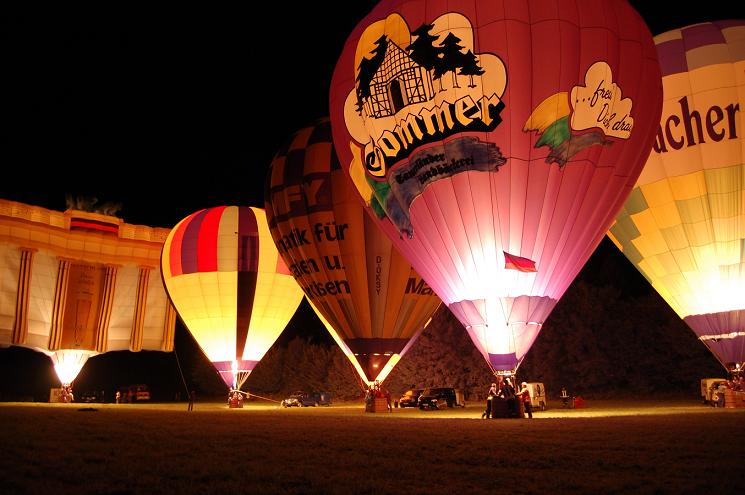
(367,295)
(229,286)
(683,226)
(68,363)
(494,142)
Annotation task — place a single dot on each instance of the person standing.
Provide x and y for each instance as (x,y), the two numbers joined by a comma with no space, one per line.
(721,391)
(118,397)
(192,399)
(524,395)
(507,391)
(490,396)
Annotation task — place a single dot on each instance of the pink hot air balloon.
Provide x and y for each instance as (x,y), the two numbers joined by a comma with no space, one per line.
(495,142)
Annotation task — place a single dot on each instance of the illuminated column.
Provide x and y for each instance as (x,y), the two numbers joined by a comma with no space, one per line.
(169,328)
(135,342)
(107,304)
(20,324)
(58,309)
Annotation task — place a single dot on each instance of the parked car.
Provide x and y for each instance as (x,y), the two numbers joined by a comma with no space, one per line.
(91,397)
(317,399)
(410,398)
(304,399)
(436,398)
(135,393)
(293,400)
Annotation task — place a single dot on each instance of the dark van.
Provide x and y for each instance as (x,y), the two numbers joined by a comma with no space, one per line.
(440,397)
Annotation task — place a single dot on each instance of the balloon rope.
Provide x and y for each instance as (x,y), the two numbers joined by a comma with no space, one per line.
(241,378)
(493,371)
(249,394)
(183,380)
(484,338)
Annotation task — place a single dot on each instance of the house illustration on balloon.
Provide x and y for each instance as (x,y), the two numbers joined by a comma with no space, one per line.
(394,78)
(397,82)
(412,90)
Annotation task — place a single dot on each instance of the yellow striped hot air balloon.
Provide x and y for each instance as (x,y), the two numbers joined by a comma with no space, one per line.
(229,285)
(683,226)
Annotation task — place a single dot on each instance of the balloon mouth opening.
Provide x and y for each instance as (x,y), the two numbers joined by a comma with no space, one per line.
(69,362)
(373,365)
(234,373)
(376,357)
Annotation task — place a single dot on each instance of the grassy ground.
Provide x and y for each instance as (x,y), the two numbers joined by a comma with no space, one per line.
(608,447)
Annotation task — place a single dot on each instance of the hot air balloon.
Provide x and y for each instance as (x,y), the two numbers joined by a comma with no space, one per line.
(683,226)
(367,295)
(495,142)
(229,286)
(80,283)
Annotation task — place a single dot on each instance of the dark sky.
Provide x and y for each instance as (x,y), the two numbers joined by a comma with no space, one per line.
(170,111)
(164,112)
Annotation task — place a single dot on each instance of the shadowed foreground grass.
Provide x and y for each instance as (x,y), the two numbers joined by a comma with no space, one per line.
(671,447)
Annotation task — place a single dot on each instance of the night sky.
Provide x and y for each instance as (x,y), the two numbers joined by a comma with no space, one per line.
(171,111)
(168,112)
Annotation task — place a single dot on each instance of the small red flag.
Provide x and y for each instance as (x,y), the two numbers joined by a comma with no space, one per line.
(512,262)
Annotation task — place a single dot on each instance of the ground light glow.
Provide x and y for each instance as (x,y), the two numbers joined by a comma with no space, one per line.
(682,443)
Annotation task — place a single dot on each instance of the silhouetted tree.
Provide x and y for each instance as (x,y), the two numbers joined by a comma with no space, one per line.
(442,356)
(91,204)
(452,57)
(470,67)
(422,50)
(603,342)
(302,365)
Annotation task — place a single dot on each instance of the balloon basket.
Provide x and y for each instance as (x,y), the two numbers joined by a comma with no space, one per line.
(235,400)
(734,399)
(377,405)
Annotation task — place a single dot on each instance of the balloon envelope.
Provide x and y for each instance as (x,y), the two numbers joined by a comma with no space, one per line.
(683,225)
(368,296)
(495,142)
(229,286)
(79,283)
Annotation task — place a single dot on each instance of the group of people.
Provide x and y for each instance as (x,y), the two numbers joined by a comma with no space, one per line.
(376,390)
(718,393)
(235,399)
(66,395)
(737,384)
(503,400)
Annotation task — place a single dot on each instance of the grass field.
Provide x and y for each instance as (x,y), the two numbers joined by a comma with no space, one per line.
(608,447)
